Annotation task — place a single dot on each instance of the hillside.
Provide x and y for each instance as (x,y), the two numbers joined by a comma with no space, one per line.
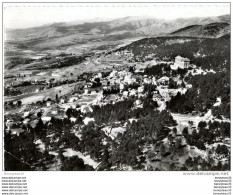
(207,52)
(216,29)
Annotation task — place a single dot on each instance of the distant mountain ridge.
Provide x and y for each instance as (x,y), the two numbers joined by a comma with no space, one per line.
(71,33)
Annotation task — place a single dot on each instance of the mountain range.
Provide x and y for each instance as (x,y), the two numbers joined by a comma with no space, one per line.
(82,32)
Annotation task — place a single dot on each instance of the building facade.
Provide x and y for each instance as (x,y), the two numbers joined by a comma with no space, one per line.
(181,63)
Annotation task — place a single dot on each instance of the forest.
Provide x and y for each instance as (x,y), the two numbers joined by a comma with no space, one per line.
(207,53)
(203,94)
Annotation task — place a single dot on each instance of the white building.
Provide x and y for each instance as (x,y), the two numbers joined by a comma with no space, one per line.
(125,93)
(133,92)
(48,103)
(99,75)
(140,89)
(114,73)
(122,86)
(73,99)
(147,80)
(181,63)
(128,79)
(72,119)
(87,120)
(86,91)
(9,124)
(138,102)
(46,118)
(25,114)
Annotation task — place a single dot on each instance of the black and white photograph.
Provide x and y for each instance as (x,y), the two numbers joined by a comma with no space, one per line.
(116,87)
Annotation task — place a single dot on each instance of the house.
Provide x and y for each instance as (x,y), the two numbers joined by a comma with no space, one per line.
(125,93)
(128,79)
(9,124)
(147,80)
(54,112)
(122,86)
(72,119)
(181,63)
(163,80)
(88,84)
(227,141)
(138,102)
(127,52)
(73,99)
(48,103)
(87,120)
(139,70)
(26,121)
(154,82)
(25,114)
(113,74)
(165,94)
(156,97)
(15,103)
(86,91)
(140,89)
(46,118)
(99,75)
(133,92)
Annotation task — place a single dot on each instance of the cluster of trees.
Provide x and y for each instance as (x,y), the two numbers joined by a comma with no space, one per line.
(183,103)
(11,105)
(158,71)
(18,60)
(123,110)
(172,84)
(203,94)
(208,133)
(113,90)
(131,86)
(96,83)
(68,61)
(223,109)
(197,164)
(147,130)
(126,148)
(11,91)
(75,163)
(21,152)
(118,112)
(92,141)
(70,112)
(149,88)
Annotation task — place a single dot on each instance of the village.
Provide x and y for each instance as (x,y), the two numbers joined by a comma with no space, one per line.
(93,89)
(106,86)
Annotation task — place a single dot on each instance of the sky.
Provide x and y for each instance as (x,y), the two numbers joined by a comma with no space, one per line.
(25,15)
